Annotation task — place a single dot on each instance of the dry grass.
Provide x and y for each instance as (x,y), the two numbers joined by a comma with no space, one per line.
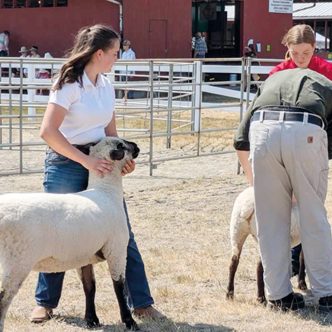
(180,217)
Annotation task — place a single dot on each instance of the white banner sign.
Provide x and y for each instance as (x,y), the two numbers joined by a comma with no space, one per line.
(281,6)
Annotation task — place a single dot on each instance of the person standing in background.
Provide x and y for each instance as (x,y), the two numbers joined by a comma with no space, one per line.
(34,52)
(193,42)
(24,52)
(200,46)
(129,55)
(250,51)
(4,43)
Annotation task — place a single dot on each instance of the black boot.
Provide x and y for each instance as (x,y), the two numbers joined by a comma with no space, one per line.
(325,304)
(292,301)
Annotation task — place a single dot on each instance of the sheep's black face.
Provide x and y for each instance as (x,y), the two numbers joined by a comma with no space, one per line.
(121,147)
(115,148)
(134,149)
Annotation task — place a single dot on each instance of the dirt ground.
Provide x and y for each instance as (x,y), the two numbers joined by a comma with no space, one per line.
(180,217)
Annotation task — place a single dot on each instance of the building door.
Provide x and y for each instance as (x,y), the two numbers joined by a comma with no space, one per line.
(218,21)
(158,38)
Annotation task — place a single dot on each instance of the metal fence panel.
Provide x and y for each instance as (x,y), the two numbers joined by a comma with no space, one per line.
(175,109)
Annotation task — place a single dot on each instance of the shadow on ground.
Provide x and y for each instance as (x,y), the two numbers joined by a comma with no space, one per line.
(165,325)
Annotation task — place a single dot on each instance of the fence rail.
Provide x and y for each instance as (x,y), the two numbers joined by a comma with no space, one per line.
(175,108)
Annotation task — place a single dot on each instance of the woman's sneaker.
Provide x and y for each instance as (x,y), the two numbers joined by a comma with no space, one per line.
(293,301)
(325,304)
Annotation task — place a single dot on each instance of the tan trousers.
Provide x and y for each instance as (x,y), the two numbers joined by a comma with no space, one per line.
(291,157)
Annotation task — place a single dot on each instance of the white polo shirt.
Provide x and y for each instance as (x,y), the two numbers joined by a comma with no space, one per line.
(89,108)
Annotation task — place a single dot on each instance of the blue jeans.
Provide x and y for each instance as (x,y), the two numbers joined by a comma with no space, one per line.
(63,175)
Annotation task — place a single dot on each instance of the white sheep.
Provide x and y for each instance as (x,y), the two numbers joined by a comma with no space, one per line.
(56,232)
(242,224)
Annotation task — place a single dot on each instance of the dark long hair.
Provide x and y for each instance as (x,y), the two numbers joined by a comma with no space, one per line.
(87,41)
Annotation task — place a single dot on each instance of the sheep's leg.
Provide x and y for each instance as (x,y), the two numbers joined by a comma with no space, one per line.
(232,270)
(2,311)
(237,244)
(10,284)
(301,277)
(260,283)
(89,285)
(125,313)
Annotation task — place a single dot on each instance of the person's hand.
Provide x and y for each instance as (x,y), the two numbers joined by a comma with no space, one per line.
(128,167)
(99,166)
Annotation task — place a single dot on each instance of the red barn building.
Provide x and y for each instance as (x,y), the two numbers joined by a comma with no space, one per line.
(156,28)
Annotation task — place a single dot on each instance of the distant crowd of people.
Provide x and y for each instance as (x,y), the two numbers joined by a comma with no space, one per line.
(24,52)
(125,53)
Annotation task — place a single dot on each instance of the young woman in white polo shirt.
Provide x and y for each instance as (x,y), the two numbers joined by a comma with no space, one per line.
(81,111)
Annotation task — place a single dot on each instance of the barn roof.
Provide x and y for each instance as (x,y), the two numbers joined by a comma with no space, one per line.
(305,11)
(301,11)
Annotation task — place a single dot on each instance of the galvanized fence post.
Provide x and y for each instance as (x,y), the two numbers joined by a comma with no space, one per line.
(248,83)
(21,116)
(170,105)
(198,113)
(198,91)
(151,116)
(243,78)
(31,90)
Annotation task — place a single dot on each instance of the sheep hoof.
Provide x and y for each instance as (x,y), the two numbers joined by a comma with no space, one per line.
(230,295)
(302,285)
(261,299)
(131,325)
(92,322)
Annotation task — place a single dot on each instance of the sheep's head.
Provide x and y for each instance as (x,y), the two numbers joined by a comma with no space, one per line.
(114,148)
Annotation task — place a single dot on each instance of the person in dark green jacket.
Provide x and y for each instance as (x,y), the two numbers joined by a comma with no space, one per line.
(284,143)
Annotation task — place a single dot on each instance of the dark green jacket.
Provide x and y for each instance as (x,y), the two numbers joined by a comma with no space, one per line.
(296,88)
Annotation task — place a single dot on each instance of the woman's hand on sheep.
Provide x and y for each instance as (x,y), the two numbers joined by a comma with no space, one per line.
(128,167)
(98,166)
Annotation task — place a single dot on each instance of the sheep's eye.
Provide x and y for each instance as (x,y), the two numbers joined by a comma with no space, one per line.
(120,146)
